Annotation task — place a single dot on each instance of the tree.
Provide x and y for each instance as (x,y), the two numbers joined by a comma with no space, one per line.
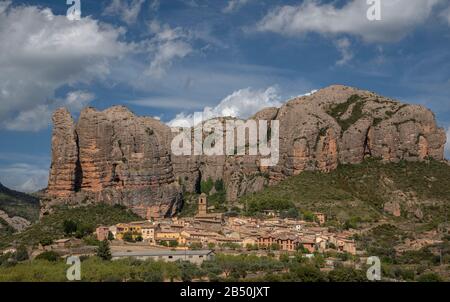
(346,274)
(103,251)
(189,271)
(291,213)
(110,236)
(206,186)
(50,256)
(219,186)
(139,238)
(307,273)
(21,254)
(128,237)
(83,230)
(70,227)
(46,241)
(429,277)
(173,243)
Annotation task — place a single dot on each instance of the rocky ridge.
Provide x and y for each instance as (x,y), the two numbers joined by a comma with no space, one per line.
(116,157)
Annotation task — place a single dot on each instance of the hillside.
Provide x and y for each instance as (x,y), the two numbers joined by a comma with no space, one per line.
(406,191)
(19,204)
(51,227)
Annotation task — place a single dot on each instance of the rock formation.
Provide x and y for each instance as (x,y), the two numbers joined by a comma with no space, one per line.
(114,156)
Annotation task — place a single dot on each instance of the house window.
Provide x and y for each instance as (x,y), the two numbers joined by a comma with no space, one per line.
(170,257)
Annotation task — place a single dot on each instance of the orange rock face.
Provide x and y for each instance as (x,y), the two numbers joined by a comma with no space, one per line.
(114,156)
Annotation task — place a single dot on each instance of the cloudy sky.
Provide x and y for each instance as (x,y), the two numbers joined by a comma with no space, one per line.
(170,58)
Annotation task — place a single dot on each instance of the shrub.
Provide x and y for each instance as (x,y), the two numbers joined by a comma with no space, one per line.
(70,227)
(429,277)
(103,251)
(50,256)
(21,254)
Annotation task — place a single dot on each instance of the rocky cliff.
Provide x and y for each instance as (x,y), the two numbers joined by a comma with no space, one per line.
(114,156)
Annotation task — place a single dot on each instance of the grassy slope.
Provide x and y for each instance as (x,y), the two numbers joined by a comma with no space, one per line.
(51,226)
(361,190)
(19,204)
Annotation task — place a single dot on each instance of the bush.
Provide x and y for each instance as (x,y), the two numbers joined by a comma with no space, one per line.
(128,237)
(110,236)
(21,254)
(346,274)
(429,277)
(69,227)
(206,186)
(103,251)
(46,241)
(50,256)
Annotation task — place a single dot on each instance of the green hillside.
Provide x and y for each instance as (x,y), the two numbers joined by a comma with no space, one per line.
(19,204)
(87,218)
(357,193)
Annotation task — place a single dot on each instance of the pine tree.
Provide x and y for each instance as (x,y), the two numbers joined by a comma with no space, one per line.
(103,250)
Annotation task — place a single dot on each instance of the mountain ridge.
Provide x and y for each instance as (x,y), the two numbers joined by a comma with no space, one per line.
(114,156)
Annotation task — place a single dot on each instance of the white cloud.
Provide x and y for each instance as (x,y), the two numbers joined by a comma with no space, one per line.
(154,6)
(446,15)
(34,119)
(167,45)
(41,52)
(399,17)
(39,117)
(126,10)
(447,145)
(343,45)
(24,177)
(242,103)
(234,5)
(77,100)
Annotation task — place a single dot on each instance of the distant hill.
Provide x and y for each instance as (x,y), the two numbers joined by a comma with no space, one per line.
(16,203)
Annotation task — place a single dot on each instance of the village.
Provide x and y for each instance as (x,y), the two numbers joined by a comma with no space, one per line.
(201,235)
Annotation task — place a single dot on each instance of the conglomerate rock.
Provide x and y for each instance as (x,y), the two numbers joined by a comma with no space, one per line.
(114,156)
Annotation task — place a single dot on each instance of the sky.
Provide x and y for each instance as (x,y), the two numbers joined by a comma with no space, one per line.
(170,58)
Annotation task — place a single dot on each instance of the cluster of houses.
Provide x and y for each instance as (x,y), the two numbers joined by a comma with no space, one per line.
(214,231)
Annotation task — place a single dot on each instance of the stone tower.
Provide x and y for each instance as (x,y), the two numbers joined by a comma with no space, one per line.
(202,205)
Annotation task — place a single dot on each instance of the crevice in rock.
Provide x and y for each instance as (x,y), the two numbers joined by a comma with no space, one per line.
(78,169)
(367,149)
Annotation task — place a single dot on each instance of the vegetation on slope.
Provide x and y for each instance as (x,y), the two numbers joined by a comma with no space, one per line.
(51,227)
(19,204)
(359,192)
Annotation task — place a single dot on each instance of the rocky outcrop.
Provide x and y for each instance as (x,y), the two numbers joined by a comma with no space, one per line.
(16,222)
(114,156)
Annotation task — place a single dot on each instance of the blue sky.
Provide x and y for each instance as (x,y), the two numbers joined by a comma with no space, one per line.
(169,58)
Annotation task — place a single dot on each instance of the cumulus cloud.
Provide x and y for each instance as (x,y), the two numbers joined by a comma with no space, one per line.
(128,11)
(234,5)
(41,52)
(39,117)
(34,119)
(77,100)
(25,177)
(399,17)
(343,45)
(446,15)
(167,45)
(242,103)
